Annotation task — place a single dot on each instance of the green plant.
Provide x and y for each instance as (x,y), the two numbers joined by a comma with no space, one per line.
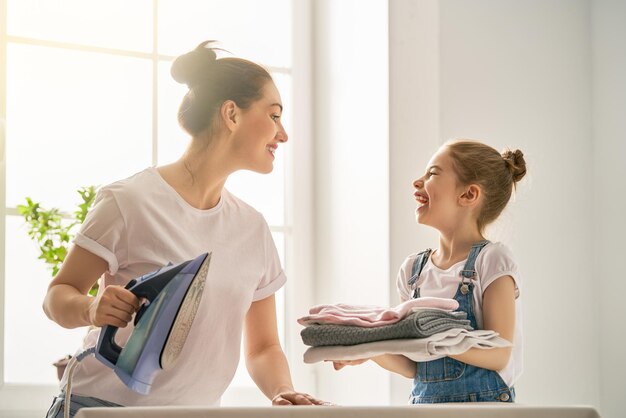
(53,231)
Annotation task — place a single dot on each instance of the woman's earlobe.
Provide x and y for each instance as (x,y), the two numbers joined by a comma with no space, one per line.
(229,113)
(232,115)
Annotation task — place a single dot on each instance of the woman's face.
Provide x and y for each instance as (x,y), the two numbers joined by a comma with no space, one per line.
(261,131)
(437,192)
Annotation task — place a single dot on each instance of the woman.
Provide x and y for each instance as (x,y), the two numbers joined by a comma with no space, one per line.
(173,213)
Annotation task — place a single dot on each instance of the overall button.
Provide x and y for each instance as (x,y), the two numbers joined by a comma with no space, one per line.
(504,397)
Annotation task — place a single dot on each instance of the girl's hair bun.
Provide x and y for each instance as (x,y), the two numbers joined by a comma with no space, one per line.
(515,163)
(193,67)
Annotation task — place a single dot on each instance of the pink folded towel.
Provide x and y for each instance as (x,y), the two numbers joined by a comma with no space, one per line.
(372,316)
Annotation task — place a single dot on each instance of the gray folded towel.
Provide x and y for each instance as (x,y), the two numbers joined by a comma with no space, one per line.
(420,324)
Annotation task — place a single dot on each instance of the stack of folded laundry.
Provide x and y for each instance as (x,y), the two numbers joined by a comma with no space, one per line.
(422,329)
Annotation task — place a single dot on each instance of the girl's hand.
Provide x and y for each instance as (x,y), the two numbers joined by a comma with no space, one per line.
(114,306)
(340,364)
(296,398)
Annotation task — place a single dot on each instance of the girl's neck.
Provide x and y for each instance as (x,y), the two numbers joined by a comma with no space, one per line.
(455,246)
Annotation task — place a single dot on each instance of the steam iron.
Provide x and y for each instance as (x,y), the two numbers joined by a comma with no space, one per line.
(172,296)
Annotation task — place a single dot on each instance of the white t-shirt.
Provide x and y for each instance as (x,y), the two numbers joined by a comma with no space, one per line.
(140,224)
(494,261)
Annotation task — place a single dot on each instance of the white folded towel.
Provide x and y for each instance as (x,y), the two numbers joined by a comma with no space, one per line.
(451,342)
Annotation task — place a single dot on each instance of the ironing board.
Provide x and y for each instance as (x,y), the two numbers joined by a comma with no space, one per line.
(422,411)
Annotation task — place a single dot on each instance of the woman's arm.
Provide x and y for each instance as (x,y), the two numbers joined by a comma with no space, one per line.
(265,359)
(499,316)
(393,362)
(67,301)
(398,364)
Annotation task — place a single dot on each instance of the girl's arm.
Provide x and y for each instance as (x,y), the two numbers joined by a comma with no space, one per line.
(499,316)
(67,301)
(265,359)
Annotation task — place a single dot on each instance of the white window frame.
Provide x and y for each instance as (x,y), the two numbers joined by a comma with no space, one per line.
(299,213)
(28,400)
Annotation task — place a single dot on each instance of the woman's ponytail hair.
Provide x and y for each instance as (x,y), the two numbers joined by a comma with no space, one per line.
(212,81)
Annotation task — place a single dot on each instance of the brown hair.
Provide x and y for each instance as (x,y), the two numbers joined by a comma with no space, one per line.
(496,173)
(211,82)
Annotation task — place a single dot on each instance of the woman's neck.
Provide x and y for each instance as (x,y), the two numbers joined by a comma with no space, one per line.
(198,177)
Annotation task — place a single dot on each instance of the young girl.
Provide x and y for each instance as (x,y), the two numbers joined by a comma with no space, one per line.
(173,213)
(465,187)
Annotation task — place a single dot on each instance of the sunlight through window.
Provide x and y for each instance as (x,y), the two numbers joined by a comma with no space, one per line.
(83,108)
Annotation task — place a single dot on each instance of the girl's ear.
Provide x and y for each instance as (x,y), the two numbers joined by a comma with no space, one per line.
(229,114)
(470,196)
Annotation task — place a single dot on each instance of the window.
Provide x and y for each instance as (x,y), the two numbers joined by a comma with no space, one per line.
(88,99)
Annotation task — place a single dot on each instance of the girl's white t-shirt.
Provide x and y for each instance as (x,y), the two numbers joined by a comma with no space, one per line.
(494,261)
(139,225)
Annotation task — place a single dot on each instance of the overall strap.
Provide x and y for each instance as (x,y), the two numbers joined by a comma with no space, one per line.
(469,271)
(418,265)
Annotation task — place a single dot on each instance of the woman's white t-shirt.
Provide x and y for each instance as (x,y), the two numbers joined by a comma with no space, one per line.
(494,261)
(140,224)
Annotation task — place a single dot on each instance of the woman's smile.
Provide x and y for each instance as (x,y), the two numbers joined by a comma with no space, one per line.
(272,149)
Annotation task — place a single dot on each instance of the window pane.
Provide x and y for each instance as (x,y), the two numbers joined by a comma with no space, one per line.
(284,85)
(74,119)
(32,341)
(265,192)
(79,118)
(172,138)
(116,24)
(256,30)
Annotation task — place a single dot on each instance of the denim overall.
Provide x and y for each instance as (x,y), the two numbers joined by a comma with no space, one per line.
(77,402)
(446,379)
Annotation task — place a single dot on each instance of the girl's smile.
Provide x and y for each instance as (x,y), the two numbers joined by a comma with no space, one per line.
(436,192)
(421,199)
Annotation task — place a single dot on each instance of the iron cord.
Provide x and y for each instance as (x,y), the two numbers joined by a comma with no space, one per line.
(68,386)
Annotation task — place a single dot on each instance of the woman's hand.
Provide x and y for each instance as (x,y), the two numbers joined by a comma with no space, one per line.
(296,398)
(340,364)
(114,306)
(392,362)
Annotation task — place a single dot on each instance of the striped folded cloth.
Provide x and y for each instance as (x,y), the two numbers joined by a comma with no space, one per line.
(420,324)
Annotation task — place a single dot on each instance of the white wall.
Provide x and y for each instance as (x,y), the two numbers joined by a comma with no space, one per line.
(518,74)
(608,23)
(547,77)
(351,165)
(414,114)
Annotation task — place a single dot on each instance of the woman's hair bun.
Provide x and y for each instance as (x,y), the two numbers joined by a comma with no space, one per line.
(192,68)
(515,163)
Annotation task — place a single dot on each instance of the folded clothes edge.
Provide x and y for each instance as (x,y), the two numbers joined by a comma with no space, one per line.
(419,349)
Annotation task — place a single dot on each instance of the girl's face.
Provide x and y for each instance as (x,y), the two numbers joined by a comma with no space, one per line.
(260,132)
(437,193)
